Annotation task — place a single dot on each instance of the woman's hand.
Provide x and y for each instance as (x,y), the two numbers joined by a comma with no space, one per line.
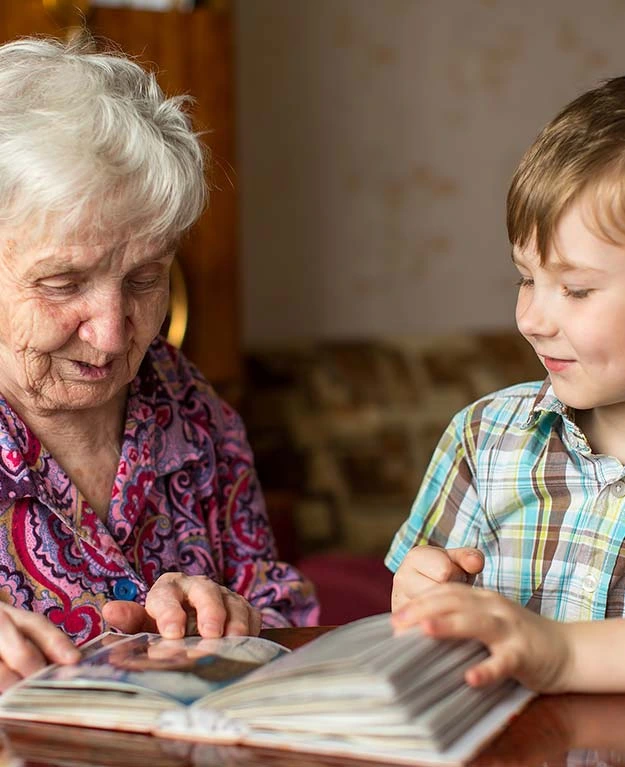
(28,642)
(179,605)
(522,645)
(427,566)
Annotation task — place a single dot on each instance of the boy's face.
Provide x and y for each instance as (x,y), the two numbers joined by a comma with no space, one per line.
(572,311)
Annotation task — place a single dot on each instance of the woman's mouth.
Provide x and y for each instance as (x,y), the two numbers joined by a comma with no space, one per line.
(93,372)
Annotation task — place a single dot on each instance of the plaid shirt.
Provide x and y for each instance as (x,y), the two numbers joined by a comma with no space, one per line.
(515,477)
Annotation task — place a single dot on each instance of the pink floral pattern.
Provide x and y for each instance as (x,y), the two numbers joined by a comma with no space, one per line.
(186,499)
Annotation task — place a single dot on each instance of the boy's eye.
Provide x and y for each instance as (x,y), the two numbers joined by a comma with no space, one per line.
(581,293)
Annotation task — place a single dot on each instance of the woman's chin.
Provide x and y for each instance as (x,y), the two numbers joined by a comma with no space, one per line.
(82,395)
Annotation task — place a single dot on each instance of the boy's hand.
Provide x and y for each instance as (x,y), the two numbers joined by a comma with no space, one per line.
(425,566)
(522,645)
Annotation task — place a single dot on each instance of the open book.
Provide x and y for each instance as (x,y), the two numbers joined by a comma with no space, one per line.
(356,691)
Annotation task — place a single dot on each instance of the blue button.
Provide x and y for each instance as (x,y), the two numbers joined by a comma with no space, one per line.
(124,588)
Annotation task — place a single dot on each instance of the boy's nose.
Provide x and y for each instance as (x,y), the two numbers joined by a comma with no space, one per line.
(534,317)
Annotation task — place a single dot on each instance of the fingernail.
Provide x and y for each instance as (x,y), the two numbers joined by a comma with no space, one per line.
(209,630)
(70,655)
(172,631)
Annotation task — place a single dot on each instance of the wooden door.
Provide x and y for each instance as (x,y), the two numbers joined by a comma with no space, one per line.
(193,53)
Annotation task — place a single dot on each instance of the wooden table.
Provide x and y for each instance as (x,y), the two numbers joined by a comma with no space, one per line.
(558,730)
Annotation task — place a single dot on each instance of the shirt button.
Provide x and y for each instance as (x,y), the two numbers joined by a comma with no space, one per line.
(124,589)
(618,488)
(589,583)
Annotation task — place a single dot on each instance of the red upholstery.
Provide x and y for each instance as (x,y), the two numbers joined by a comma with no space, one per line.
(349,586)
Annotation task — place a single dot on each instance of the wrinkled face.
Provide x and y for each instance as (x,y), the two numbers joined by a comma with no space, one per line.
(76,320)
(572,311)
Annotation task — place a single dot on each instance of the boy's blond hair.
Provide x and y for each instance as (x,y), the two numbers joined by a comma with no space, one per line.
(580,153)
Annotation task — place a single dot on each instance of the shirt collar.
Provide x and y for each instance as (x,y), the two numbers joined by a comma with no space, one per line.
(546,402)
(27,467)
(159,413)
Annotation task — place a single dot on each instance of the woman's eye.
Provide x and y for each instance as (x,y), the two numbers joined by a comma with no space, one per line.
(524,282)
(60,287)
(145,283)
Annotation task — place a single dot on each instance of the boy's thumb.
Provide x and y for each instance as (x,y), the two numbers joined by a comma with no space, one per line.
(471,560)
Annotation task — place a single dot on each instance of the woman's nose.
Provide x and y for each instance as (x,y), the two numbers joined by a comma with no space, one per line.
(106,323)
(535,316)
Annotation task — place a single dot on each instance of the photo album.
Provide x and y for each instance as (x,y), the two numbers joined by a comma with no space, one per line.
(357,691)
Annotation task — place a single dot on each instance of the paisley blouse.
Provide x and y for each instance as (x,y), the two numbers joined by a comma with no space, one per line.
(185,499)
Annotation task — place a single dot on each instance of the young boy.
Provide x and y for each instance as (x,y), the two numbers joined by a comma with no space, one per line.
(525,493)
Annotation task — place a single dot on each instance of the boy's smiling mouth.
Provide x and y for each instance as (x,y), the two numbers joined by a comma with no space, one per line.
(554,364)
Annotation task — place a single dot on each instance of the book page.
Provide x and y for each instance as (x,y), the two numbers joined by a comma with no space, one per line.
(363,663)
(179,669)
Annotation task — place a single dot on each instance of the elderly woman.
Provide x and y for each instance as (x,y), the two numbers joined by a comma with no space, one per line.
(127,490)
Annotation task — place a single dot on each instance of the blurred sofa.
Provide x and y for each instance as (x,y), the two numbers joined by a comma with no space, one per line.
(342,433)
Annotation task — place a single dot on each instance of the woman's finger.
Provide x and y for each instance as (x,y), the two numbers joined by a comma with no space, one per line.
(194,604)
(242,618)
(128,617)
(207,599)
(164,603)
(56,646)
(28,642)
(174,597)
(256,622)
(7,677)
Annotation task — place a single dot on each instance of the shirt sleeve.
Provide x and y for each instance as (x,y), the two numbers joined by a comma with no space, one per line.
(250,562)
(447,511)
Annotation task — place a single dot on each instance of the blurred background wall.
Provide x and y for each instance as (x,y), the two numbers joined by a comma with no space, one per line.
(376,140)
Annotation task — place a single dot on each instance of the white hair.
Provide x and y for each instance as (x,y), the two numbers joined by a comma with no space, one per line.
(88,141)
